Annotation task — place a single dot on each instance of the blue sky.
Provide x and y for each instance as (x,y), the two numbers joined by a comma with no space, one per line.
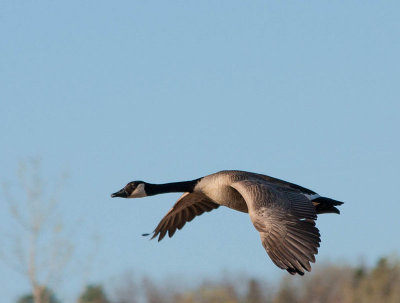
(166,91)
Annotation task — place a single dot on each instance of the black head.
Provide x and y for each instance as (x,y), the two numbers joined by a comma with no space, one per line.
(134,189)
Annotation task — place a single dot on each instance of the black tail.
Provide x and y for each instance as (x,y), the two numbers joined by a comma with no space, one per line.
(326,205)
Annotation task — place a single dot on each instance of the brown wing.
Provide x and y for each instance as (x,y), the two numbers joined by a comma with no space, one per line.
(286,224)
(185,209)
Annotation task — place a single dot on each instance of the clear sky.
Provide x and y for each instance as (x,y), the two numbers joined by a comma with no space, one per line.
(161,91)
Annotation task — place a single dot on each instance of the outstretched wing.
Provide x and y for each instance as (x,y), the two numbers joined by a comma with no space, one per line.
(185,209)
(285,184)
(286,222)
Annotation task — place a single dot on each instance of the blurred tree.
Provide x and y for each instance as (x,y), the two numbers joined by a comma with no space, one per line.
(254,292)
(40,249)
(46,296)
(209,293)
(218,294)
(93,294)
(381,284)
(153,293)
(287,292)
(328,283)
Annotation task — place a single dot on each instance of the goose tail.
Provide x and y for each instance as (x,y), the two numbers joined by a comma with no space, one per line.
(325,205)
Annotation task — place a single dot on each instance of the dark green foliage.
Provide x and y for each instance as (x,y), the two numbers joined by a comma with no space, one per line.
(47,296)
(93,294)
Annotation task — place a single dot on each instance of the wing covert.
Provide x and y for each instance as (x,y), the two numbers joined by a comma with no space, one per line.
(286,222)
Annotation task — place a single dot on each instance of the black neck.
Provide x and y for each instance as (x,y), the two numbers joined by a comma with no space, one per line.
(175,187)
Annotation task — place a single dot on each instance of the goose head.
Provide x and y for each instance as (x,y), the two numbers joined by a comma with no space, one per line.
(134,189)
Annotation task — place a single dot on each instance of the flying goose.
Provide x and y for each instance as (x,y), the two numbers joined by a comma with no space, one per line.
(283,213)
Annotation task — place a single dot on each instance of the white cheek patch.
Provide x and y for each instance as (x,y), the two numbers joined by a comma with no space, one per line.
(139,192)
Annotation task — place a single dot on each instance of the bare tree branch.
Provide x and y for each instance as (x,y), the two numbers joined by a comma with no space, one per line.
(39,249)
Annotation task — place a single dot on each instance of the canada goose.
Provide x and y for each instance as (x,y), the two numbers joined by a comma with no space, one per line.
(283,213)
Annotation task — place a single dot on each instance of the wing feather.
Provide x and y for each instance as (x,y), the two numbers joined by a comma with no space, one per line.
(188,206)
(286,221)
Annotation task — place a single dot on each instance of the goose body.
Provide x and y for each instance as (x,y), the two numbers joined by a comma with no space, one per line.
(282,212)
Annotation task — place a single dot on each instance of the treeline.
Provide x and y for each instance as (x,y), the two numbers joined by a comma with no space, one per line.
(327,283)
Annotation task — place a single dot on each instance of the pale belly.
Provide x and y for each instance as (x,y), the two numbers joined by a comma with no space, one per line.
(227,196)
(217,188)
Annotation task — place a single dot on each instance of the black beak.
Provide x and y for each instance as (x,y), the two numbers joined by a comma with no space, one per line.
(121,194)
